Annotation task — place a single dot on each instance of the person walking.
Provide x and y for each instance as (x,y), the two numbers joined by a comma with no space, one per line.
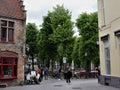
(68,76)
(41,74)
(98,74)
(38,71)
(46,72)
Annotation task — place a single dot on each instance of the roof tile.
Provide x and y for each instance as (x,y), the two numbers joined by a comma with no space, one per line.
(12,9)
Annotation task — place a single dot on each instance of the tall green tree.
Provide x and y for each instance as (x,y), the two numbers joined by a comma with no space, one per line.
(88,29)
(76,51)
(47,48)
(62,29)
(31,41)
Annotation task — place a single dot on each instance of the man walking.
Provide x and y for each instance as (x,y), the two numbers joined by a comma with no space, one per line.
(68,76)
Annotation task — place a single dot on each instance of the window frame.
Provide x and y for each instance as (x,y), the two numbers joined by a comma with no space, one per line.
(9,26)
(107,56)
(13,64)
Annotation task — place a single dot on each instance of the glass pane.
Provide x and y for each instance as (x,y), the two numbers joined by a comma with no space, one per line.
(3,34)
(7,61)
(0,61)
(0,71)
(7,71)
(10,34)
(15,70)
(16,61)
(107,53)
(3,23)
(11,24)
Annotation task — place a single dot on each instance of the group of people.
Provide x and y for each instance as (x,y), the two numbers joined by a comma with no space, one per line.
(36,76)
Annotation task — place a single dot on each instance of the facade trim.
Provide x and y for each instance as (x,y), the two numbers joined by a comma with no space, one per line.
(105,37)
(117,33)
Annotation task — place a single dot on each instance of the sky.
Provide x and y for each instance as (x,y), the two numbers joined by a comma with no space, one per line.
(36,9)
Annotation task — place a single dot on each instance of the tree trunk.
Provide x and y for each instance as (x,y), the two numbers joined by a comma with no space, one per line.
(32,63)
(88,68)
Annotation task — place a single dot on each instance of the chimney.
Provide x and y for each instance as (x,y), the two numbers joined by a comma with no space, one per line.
(22,6)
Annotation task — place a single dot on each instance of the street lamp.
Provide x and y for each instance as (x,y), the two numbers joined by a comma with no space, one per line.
(87,65)
(64,61)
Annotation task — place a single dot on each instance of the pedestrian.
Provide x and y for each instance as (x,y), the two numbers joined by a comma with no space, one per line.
(60,73)
(68,76)
(41,74)
(46,72)
(37,78)
(98,74)
(38,71)
(28,78)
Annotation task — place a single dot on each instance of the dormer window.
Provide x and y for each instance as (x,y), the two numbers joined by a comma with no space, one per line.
(7,31)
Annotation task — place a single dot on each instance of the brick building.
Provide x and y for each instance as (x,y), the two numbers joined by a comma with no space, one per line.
(12,40)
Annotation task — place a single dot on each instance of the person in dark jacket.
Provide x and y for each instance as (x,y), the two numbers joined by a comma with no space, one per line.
(68,76)
(98,74)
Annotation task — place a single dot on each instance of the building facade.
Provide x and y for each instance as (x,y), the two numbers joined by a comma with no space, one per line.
(109,41)
(12,41)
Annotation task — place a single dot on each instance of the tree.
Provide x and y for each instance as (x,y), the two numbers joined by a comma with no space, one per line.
(47,48)
(88,29)
(76,51)
(31,42)
(62,29)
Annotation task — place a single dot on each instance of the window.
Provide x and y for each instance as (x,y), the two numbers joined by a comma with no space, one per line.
(7,31)
(3,34)
(107,57)
(8,68)
(102,8)
(119,43)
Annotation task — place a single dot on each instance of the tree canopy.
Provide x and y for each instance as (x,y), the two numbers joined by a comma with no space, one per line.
(55,38)
(31,41)
(88,29)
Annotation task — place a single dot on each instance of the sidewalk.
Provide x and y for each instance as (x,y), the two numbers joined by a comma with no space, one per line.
(55,84)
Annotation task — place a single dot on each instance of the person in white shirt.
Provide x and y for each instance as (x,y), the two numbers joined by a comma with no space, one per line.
(28,77)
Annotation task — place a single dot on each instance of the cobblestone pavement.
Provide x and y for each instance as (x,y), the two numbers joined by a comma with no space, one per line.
(54,84)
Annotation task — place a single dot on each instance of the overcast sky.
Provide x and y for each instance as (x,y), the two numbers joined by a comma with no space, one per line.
(36,9)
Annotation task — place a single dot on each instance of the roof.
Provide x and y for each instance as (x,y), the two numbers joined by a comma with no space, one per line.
(12,9)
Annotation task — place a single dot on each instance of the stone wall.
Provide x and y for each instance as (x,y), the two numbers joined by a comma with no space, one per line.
(18,46)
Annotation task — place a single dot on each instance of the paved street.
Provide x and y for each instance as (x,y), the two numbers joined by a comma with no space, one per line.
(51,84)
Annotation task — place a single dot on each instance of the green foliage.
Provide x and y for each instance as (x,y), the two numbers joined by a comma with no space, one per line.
(56,35)
(62,27)
(55,38)
(31,41)
(47,48)
(62,30)
(31,36)
(88,29)
(75,53)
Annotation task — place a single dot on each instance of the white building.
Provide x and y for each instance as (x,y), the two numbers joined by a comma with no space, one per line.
(109,37)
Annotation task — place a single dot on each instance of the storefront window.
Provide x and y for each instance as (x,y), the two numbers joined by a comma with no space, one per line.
(7,71)
(8,68)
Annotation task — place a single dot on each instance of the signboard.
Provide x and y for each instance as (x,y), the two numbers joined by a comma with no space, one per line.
(64,59)
(72,64)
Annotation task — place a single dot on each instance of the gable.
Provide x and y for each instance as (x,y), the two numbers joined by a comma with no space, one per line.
(12,9)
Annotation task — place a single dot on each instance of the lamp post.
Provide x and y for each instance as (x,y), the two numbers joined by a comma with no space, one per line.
(87,65)
(64,61)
